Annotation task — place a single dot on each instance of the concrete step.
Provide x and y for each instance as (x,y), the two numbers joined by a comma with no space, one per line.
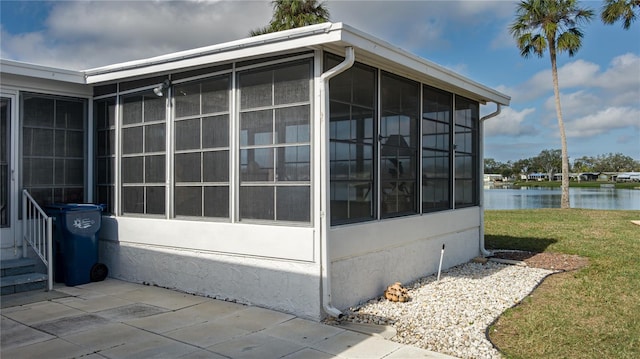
(23,283)
(17,266)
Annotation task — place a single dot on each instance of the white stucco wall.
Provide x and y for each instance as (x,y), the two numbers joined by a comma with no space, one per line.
(367,257)
(269,266)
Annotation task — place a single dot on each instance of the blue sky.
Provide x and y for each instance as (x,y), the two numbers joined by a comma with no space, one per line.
(600,86)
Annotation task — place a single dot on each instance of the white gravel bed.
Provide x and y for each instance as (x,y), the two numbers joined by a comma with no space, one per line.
(451,316)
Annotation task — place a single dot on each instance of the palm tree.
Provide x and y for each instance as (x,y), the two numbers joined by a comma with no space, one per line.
(616,10)
(552,25)
(289,14)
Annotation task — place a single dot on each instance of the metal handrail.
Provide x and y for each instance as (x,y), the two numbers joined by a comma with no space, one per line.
(37,231)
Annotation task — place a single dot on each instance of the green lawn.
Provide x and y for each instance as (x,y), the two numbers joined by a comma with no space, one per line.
(590,313)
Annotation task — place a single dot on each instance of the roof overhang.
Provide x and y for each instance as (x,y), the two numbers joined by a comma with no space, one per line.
(332,37)
(41,72)
(329,36)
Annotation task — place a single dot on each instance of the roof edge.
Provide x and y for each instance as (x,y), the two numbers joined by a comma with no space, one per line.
(40,71)
(213,49)
(382,48)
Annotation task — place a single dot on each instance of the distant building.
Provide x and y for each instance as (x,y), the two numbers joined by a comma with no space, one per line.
(538,177)
(492,177)
(628,177)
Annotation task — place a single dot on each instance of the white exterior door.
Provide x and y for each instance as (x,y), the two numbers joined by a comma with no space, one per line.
(8,185)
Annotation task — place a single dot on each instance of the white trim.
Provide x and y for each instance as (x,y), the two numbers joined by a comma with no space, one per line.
(257,45)
(234,148)
(169,176)
(89,149)
(41,72)
(335,36)
(331,36)
(13,197)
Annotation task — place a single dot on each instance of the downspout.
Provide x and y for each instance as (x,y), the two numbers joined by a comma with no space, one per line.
(483,250)
(324,175)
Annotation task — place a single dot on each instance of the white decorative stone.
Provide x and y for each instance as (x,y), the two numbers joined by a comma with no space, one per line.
(451,316)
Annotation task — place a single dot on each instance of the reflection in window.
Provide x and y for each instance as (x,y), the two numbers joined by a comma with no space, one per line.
(351,140)
(275,152)
(399,113)
(466,161)
(143,165)
(436,170)
(202,148)
(53,148)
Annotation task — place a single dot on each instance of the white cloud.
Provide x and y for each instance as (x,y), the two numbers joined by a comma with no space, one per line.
(623,72)
(621,80)
(604,121)
(606,100)
(574,104)
(105,32)
(573,74)
(510,122)
(620,83)
(424,24)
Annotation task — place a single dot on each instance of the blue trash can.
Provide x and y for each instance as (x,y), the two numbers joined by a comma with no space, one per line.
(75,233)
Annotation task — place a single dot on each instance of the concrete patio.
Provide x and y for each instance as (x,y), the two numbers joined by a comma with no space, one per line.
(117,319)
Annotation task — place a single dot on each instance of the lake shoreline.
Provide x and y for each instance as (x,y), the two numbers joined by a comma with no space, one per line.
(533,197)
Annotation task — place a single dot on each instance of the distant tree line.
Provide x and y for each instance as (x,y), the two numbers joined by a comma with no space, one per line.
(550,162)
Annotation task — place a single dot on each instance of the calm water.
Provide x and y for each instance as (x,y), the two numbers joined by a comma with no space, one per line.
(534,197)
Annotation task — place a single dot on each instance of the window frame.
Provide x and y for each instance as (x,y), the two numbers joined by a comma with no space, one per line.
(106,133)
(350,182)
(448,153)
(204,151)
(150,154)
(401,147)
(57,192)
(470,124)
(428,91)
(252,178)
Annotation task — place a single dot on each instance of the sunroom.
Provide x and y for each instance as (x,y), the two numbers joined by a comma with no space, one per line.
(302,171)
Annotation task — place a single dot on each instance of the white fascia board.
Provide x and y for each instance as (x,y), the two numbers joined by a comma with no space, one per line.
(380,48)
(41,72)
(300,38)
(322,35)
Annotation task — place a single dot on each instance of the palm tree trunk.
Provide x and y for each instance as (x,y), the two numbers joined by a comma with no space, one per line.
(564,202)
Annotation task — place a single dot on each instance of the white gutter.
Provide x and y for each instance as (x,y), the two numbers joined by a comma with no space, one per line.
(483,250)
(324,175)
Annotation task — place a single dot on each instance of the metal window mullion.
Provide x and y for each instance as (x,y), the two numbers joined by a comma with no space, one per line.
(234,150)
(200,146)
(273,143)
(420,152)
(117,127)
(453,152)
(378,163)
(90,150)
(169,155)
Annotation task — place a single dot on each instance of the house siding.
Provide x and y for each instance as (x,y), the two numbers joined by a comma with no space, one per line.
(285,286)
(367,257)
(272,261)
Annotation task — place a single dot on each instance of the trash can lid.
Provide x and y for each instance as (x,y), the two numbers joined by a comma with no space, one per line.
(74,206)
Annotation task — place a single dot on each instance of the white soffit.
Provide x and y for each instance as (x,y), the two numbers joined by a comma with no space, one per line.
(41,72)
(334,36)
